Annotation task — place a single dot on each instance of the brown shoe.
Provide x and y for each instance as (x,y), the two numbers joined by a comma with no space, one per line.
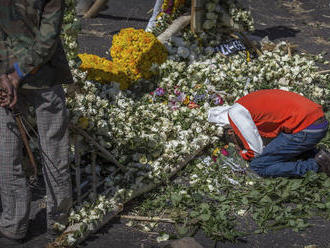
(323,160)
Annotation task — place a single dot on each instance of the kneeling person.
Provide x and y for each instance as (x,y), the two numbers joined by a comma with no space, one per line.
(293,123)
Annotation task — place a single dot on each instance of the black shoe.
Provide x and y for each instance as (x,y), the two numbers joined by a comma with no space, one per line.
(323,160)
(9,242)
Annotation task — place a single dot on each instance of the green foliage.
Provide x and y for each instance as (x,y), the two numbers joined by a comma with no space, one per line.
(254,205)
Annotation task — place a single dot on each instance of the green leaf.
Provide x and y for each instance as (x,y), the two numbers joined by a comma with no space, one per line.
(182,230)
(176,198)
(295,184)
(327,205)
(266,199)
(245,200)
(254,194)
(194,213)
(326,183)
(204,206)
(221,216)
(204,217)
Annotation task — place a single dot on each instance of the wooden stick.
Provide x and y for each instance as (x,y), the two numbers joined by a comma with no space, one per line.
(323,72)
(77,159)
(289,50)
(106,153)
(222,55)
(197,13)
(19,123)
(150,219)
(95,9)
(94,177)
(234,36)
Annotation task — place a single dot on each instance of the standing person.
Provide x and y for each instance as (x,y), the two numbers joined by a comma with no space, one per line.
(32,68)
(293,123)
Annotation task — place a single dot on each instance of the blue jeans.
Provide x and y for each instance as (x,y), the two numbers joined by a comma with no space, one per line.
(280,157)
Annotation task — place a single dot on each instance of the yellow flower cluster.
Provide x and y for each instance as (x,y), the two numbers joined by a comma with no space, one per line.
(102,70)
(171,6)
(178,4)
(133,52)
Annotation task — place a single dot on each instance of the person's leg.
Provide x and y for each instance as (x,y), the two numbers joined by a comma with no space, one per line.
(14,189)
(279,156)
(52,121)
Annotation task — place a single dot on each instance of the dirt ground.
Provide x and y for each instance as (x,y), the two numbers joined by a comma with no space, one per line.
(304,22)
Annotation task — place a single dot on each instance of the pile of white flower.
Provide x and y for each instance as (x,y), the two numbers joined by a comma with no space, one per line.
(149,134)
(227,14)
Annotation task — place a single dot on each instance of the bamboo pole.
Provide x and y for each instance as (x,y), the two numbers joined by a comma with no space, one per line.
(175,27)
(197,14)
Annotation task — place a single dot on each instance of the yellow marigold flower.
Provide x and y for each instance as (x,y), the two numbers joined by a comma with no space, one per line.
(83,122)
(186,100)
(133,52)
(216,151)
(137,50)
(248,59)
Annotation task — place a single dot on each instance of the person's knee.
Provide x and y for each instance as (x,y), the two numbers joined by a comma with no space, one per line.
(255,166)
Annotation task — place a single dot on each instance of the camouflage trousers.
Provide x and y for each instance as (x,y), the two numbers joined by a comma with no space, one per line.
(52,122)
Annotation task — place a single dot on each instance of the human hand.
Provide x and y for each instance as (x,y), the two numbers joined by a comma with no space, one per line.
(234,139)
(5,86)
(9,83)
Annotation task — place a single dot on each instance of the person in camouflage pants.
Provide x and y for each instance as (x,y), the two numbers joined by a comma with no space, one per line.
(33,66)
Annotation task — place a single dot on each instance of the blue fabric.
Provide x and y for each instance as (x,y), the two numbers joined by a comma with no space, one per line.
(18,70)
(322,125)
(280,158)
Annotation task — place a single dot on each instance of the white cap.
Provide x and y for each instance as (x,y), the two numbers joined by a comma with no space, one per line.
(219,115)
